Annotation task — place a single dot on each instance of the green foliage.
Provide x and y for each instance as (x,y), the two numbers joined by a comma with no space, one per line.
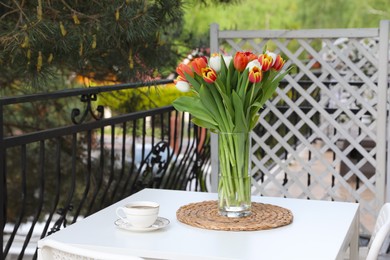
(129,40)
(126,101)
(285,14)
(343,13)
(245,15)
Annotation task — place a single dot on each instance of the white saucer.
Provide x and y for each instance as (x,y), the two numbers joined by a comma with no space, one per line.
(159,223)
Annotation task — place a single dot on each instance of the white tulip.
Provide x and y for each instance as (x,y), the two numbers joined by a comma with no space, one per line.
(254,63)
(183,86)
(227,60)
(215,62)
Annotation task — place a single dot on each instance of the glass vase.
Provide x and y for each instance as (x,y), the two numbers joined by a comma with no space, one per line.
(234,180)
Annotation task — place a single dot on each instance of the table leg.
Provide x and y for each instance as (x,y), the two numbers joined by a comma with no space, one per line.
(354,245)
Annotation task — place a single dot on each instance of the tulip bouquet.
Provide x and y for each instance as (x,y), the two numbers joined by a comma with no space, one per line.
(228,94)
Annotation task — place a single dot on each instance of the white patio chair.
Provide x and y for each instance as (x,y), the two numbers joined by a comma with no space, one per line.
(379,236)
(54,250)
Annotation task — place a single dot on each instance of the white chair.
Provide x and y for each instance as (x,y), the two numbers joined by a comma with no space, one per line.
(380,234)
(54,250)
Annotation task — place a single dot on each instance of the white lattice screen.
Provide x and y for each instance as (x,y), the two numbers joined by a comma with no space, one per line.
(324,135)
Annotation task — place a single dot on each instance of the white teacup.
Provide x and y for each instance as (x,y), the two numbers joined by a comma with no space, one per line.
(139,213)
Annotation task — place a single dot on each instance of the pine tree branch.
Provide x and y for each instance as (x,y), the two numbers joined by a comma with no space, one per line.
(8,13)
(21,14)
(95,17)
(7,6)
(123,42)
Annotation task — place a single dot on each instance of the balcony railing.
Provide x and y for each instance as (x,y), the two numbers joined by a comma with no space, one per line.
(69,161)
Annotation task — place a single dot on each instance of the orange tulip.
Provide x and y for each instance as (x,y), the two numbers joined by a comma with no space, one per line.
(240,61)
(198,64)
(265,61)
(255,75)
(209,75)
(279,62)
(184,68)
(251,56)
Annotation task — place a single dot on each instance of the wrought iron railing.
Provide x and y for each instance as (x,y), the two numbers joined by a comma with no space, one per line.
(78,162)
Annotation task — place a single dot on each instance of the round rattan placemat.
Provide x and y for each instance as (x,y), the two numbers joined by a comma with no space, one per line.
(205,215)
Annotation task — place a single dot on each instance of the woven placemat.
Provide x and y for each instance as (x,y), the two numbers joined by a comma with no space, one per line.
(205,215)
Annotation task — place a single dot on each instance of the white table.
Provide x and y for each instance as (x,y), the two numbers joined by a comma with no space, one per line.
(320,230)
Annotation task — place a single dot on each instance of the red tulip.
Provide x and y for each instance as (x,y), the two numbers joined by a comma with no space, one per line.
(184,68)
(265,61)
(198,64)
(209,75)
(279,62)
(255,75)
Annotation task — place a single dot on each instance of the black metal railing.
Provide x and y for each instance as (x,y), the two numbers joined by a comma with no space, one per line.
(72,161)
(58,169)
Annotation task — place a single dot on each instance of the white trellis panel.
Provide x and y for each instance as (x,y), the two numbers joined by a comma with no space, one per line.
(324,135)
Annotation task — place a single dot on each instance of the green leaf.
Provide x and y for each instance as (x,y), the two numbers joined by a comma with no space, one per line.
(243,84)
(204,124)
(193,82)
(223,73)
(225,98)
(229,81)
(270,88)
(266,75)
(224,115)
(209,103)
(228,104)
(256,105)
(265,48)
(253,91)
(220,86)
(239,118)
(254,109)
(253,122)
(193,106)
(233,76)
(268,92)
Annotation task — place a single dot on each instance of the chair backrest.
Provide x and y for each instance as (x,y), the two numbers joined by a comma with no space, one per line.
(54,250)
(380,233)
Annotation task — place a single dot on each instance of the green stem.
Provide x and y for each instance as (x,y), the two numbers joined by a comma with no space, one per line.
(227,159)
(234,186)
(252,93)
(221,109)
